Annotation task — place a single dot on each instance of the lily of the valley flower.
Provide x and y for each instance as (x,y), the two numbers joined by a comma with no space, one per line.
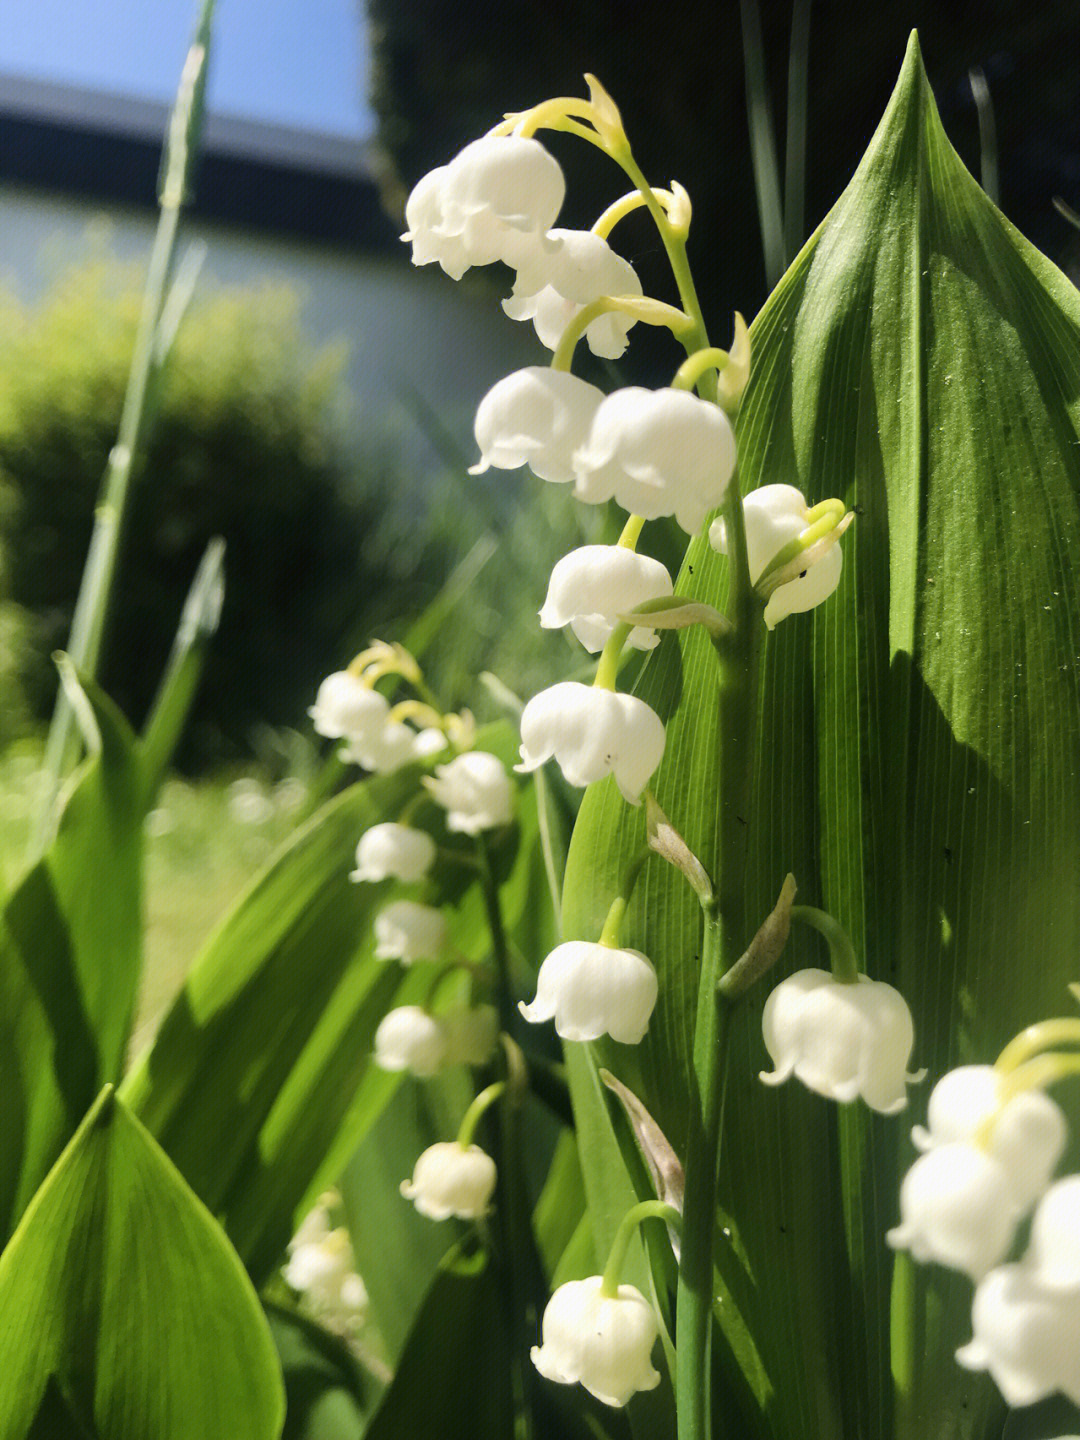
(592,733)
(958,1209)
(592,990)
(393,852)
(450,1179)
(495,200)
(580,268)
(603,1342)
(775,515)
(321,1267)
(594,584)
(408,1038)
(475,791)
(536,417)
(657,452)
(841,1040)
(407,931)
(346,708)
(384,751)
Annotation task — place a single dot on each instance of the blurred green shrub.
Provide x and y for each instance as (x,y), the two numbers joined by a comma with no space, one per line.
(252,442)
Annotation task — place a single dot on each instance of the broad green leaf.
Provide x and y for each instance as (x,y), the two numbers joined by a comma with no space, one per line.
(123,1308)
(327,1394)
(70,952)
(918,763)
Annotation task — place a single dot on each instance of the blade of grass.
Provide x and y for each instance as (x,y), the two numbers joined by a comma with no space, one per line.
(795,158)
(988,158)
(763,144)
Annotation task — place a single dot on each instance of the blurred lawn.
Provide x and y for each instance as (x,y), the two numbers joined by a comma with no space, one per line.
(204,841)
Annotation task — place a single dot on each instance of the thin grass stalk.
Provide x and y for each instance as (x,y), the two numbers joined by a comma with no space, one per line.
(795,150)
(763,144)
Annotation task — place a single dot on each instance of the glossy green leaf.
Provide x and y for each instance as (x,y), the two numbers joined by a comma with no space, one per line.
(124,1312)
(918,761)
(70,953)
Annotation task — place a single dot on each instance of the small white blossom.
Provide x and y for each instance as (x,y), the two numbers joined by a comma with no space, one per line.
(657,452)
(1026,1334)
(408,1038)
(1053,1256)
(592,990)
(595,583)
(602,1342)
(496,200)
(592,733)
(428,742)
(451,1180)
(471,1034)
(393,852)
(840,1040)
(385,750)
(346,708)
(580,267)
(774,515)
(536,417)
(475,791)
(957,1208)
(407,931)
(321,1267)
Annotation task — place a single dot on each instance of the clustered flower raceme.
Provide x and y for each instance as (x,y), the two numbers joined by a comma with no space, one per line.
(322,1270)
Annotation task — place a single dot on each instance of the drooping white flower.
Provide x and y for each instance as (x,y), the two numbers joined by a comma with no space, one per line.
(475,791)
(322,1268)
(471,1034)
(1026,1334)
(581,267)
(408,1038)
(536,417)
(1027,1137)
(840,1040)
(601,1342)
(429,741)
(957,1208)
(407,931)
(657,452)
(1053,1256)
(496,200)
(451,1179)
(592,733)
(592,990)
(384,750)
(347,708)
(595,583)
(774,515)
(393,852)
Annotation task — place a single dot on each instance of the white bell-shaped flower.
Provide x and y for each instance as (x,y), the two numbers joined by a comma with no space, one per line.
(1053,1255)
(429,741)
(347,708)
(956,1208)
(840,1040)
(536,417)
(393,852)
(384,750)
(451,1180)
(322,1268)
(407,931)
(774,515)
(475,791)
(1027,1137)
(1026,1335)
(603,1342)
(471,1034)
(580,268)
(592,990)
(592,733)
(594,584)
(496,200)
(657,452)
(408,1038)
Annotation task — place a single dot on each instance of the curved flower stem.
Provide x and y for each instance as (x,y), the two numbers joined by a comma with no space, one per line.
(619,209)
(696,365)
(631,531)
(609,936)
(1035,1039)
(845,963)
(607,669)
(471,1118)
(641,307)
(645,1210)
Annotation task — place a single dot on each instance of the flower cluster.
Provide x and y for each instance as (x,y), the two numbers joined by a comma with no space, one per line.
(411,1038)
(322,1270)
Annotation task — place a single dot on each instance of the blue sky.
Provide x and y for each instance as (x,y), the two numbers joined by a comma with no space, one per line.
(301,63)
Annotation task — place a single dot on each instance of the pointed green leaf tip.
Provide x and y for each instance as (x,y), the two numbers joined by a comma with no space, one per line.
(124,1309)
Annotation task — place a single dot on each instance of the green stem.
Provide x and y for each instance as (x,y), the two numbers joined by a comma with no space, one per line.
(845,963)
(1035,1038)
(644,1210)
(607,669)
(631,531)
(509,1020)
(471,1118)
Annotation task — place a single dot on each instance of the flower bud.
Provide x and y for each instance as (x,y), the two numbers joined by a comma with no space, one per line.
(594,584)
(471,1034)
(408,1038)
(1026,1335)
(592,990)
(657,452)
(592,733)
(393,852)
(451,1179)
(840,1040)
(537,417)
(347,708)
(407,931)
(556,284)
(602,1342)
(956,1208)
(475,791)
